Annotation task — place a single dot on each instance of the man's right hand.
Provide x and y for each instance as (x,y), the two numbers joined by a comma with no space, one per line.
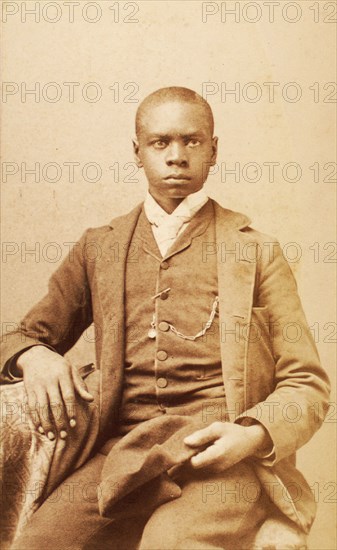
(51,383)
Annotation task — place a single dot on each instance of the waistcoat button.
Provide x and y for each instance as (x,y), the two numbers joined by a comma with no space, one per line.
(162,382)
(161,355)
(164,296)
(164,265)
(163,326)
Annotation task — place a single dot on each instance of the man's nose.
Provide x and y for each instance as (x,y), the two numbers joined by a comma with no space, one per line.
(176,154)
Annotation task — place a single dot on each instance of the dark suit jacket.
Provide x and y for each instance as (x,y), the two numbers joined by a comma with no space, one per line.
(271,367)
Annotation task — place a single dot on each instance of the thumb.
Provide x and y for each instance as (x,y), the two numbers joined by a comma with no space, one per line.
(80,386)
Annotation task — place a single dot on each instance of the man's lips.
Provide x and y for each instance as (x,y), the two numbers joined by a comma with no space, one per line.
(178,177)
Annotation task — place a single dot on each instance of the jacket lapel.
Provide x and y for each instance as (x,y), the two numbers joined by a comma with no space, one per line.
(111,285)
(236,278)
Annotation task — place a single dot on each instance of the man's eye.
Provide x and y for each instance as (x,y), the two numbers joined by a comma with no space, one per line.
(193,142)
(159,144)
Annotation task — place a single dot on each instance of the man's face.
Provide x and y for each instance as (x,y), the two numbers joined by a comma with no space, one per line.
(176,149)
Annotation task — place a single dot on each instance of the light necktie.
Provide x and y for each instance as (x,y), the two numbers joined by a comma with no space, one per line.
(167,230)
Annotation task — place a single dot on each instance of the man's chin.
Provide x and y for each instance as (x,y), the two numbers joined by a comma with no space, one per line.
(177,190)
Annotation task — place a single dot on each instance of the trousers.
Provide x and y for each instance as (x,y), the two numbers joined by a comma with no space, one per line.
(215,511)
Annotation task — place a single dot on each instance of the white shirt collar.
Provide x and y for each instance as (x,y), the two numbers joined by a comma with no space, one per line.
(188,207)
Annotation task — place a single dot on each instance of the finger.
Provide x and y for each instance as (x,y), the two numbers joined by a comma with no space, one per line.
(206,435)
(33,407)
(69,399)
(58,410)
(211,455)
(46,422)
(80,386)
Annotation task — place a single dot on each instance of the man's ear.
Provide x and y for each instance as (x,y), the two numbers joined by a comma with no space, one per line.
(136,152)
(215,150)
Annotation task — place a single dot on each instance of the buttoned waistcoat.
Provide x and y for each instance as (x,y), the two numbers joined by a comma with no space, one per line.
(169,374)
(270,372)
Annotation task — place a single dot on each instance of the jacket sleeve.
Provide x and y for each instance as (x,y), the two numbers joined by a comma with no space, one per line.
(296,408)
(59,319)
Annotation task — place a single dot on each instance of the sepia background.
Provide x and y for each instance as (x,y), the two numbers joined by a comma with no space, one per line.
(74,73)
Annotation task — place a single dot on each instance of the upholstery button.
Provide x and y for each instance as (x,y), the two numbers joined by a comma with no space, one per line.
(164,296)
(163,326)
(164,265)
(162,382)
(161,355)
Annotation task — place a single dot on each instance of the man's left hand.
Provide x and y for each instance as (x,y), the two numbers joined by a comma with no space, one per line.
(229,444)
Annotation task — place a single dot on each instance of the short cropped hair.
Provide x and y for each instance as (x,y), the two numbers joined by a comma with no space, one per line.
(173,94)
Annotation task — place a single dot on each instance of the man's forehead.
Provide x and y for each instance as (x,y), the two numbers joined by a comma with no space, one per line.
(178,106)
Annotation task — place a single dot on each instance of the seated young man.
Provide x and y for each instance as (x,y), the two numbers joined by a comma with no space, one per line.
(202,365)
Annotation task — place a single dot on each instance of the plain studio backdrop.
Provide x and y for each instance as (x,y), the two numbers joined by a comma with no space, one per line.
(74,73)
